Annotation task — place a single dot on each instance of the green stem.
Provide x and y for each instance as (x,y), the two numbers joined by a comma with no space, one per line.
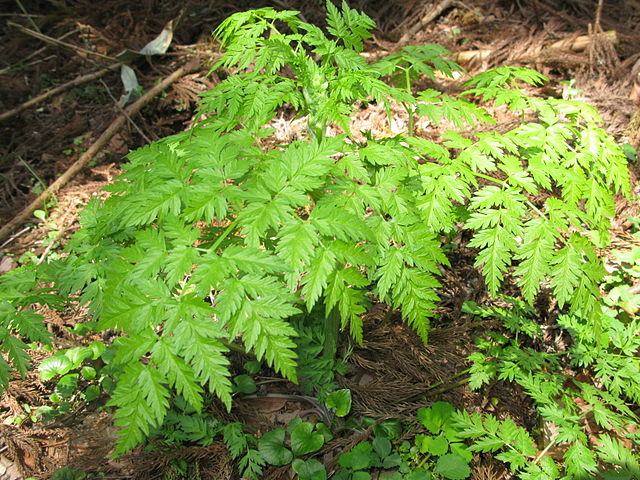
(459,383)
(411,118)
(233,347)
(546,449)
(442,382)
(426,457)
(52,198)
(29,17)
(502,183)
(409,108)
(224,235)
(331,334)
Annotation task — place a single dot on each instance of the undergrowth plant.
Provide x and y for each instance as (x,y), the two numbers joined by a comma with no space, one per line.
(211,240)
(439,451)
(608,459)
(583,390)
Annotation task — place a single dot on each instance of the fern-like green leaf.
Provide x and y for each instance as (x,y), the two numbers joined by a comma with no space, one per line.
(565,268)
(580,461)
(268,336)
(297,244)
(535,255)
(348,25)
(317,277)
(177,372)
(343,292)
(141,402)
(16,351)
(497,229)
(497,245)
(614,452)
(415,294)
(195,340)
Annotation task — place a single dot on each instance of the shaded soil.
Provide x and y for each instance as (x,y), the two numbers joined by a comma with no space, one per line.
(390,373)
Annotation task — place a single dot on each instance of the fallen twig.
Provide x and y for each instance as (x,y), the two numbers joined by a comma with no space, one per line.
(581,43)
(468,56)
(95,148)
(54,91)
(13,237)
(37,52)
(122,110)
(430,16)
(29,17)
(54,241)
(577,44)
(34,15)
(55,41)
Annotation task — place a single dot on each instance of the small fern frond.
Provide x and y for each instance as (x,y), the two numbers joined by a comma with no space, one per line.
(142,402)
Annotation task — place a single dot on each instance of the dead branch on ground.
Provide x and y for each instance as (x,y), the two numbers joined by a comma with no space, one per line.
(55,41)
(95,148)
(581,43)
(429,17)
(59,89)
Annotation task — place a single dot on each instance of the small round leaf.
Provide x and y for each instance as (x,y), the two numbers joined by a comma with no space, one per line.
(304,440)
(438,446)
(462,450)
(361,476)
(359,458)
(293,424)
(418,475)
(91,393)
(340,402)
(436,417)
(453,467)
(322,429)
(310,469)
(77,355)
(54,366)
(272,448)
(392,461)
(245,384)
(382,446)
(97,349)
(391,429)
(252,367)
(88,373)
(67,385)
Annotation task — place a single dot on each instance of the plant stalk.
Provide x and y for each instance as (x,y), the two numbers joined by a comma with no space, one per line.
(224,235)
(409,108)
(331,334)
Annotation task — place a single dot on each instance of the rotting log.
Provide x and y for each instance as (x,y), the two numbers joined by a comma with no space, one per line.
(468,56)
(577,44)
(581,43)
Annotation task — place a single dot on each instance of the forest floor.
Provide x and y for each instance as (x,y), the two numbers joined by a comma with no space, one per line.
(390,372)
